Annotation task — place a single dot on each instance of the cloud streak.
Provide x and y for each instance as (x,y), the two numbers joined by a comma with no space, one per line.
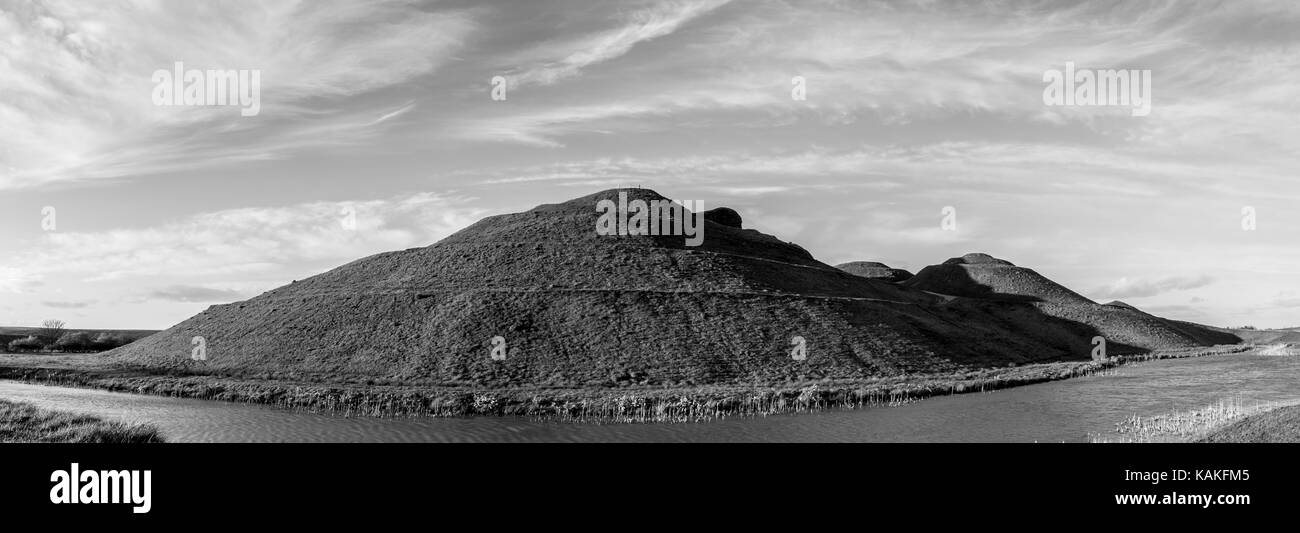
(231,244)
(194,294)
(77,105)
(558,61)
(1142,288)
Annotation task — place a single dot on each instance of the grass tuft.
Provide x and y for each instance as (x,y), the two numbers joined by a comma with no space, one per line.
(23,422)
(1187,426)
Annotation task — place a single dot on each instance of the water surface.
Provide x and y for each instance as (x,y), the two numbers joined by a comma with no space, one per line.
(1067,411)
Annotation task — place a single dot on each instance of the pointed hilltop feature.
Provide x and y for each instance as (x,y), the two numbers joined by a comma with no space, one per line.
(978,259)
(1117,303)
(984,276)
(543,299)
(725,216)
(874,270)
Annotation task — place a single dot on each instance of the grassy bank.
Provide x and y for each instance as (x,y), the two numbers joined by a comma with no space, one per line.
(605,404)
(1277,425)
(1223,421)
(21,422)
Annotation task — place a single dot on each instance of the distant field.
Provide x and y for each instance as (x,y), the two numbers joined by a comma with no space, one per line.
(1269,336)
(14,331)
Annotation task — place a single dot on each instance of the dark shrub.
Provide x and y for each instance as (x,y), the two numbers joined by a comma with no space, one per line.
(26,344)
(108,341)
(74,342)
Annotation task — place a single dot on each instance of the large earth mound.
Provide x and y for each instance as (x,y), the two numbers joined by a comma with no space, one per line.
(874,270)
(569,307)
(985,277)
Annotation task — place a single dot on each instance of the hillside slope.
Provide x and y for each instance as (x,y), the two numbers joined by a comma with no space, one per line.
(575,308)
(985,277)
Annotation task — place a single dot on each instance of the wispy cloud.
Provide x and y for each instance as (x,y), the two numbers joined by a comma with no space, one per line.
(559,60)
(911,106)
(1141,288)
(68,305)
(225,245)
(77,77)
(1287,299)
(194,294)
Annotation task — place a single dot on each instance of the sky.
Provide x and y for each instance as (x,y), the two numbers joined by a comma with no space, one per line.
(381,127)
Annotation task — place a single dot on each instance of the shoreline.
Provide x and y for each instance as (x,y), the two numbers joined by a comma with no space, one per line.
(1230,419)
(634,404)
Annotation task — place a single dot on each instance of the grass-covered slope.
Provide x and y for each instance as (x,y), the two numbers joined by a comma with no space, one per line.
(578,309)
(1278,425)
(983,276)
(980,276)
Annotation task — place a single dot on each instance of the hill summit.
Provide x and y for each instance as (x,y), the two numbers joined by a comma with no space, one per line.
(875,270)
(980,275)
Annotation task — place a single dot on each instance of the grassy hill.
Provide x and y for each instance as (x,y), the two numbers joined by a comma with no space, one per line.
(578,309)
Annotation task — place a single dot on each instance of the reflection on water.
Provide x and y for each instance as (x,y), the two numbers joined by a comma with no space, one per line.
(1049,412)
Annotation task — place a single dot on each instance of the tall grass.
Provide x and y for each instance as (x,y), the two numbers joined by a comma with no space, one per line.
(1188,425)
(23,422)
(1280,349)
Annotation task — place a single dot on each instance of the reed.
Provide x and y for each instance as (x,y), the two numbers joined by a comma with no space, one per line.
(1190,425)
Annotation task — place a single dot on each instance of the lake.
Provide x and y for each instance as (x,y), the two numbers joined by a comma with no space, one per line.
(1066,411)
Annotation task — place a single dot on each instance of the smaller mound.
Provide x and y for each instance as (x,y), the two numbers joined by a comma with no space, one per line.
(874,270)
(1268,336)
(725,216)
(978,259)
(1118,303)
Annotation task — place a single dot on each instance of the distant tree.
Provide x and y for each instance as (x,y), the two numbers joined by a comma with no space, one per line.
(26,344)
(51,330)
(108,341)
(77,341)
